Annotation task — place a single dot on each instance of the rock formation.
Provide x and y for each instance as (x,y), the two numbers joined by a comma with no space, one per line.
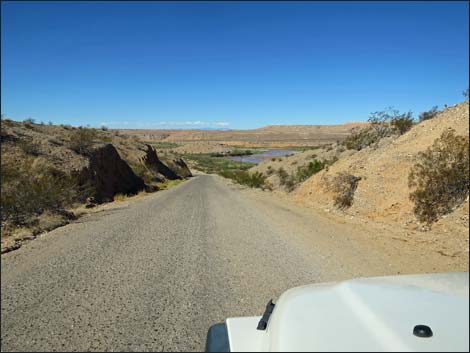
(154,164)
(109,175)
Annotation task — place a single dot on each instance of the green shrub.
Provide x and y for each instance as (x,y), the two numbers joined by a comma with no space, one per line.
(429,114)
(343,185)
(81,140)
(253,180)
(440,177)
(305,172)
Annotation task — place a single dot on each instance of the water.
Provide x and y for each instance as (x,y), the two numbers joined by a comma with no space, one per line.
(259,157)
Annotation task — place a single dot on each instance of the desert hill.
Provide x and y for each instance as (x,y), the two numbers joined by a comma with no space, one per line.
(48,170)
(382,194)
(272,136)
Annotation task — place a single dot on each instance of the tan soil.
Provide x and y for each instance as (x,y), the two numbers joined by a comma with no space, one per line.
(391,249)
(207,141)
(382,195)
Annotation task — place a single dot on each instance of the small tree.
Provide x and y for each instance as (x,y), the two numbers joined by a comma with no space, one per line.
(466,93)
(440,177)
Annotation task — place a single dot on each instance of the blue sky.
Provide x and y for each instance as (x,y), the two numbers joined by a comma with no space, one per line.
(229,64)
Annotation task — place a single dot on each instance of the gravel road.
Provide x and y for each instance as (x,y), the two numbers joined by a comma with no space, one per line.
(155,273)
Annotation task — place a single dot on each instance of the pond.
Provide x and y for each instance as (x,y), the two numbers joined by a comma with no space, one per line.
(259,157)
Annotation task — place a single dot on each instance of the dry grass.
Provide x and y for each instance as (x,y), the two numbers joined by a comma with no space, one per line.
(169,183)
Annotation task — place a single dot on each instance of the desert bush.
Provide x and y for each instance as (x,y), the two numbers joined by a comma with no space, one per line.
(81,140)
(382,124)
(390,117)
(466,93)
(283,175)
(269,170)
(32,186)
(440,177)
(429,114)
(403,123)
(343,185)
(361,138)
(253,180)
(305,172)
(104,128)
(29,147)
(286,180)
(29,121)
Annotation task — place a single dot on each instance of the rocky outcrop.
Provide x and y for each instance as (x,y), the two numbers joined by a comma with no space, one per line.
(153,163)
(109,175)
(179,167)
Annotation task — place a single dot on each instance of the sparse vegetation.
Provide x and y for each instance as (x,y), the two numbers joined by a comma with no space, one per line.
(143,172)
(32,186)
(382,124)
(243,177)
(215,165)
(29,121)
(234,153)
(169,183)
(429,114)
(286,180)
(440,177)
(29,147)
(343,185)
(81,140)
(305,172)
(163,144)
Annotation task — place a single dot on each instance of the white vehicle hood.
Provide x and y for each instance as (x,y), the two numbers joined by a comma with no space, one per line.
(367,314)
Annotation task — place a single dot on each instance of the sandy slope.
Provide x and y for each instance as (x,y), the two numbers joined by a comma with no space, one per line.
(382,195)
